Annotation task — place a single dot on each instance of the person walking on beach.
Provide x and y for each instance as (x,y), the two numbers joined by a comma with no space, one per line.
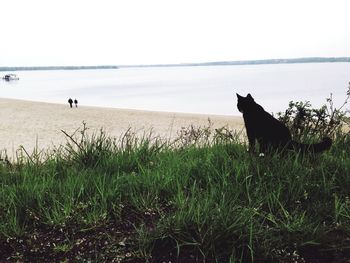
(70,101)
(76,103)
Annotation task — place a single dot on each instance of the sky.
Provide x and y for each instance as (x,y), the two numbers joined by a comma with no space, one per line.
(129,32)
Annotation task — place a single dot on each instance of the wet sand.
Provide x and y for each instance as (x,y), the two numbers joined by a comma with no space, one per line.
(30,124)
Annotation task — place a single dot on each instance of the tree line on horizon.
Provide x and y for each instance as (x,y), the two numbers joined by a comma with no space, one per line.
(215,63)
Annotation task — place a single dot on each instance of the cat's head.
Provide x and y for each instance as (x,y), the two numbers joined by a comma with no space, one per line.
(244,103)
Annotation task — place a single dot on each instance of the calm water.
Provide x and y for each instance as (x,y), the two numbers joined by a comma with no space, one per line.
(185,89)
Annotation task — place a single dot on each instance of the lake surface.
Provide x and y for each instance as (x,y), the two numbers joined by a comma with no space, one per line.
(204,89)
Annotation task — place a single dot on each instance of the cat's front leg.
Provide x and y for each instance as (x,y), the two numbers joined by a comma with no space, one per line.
(262,146)
(251,146)
(251,140)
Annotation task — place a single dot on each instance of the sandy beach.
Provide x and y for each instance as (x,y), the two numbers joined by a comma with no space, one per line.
(30,124)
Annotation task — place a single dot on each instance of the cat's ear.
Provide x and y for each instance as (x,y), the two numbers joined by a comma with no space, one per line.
(250,96)
(239,96)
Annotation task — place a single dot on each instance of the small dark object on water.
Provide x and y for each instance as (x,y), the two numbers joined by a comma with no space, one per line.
(10,77)
(70,101)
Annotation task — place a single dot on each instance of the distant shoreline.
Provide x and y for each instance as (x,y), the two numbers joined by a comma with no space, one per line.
(250,62)
(215,63)
(56,68)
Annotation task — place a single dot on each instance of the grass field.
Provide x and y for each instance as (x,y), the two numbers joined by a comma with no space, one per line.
(200,198)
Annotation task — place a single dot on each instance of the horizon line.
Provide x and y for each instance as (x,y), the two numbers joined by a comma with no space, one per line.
(210,63)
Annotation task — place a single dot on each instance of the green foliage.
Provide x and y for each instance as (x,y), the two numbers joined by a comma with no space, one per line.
(304,121)
(201,195)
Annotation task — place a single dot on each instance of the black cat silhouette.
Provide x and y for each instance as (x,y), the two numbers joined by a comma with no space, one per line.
(269,132)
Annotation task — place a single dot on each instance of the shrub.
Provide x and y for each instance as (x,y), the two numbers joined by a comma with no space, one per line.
(304,121)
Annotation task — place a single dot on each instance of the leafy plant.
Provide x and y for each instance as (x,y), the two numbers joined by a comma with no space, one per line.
(304,121)
(198,198)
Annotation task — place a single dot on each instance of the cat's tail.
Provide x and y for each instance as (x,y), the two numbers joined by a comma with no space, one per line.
(315,147)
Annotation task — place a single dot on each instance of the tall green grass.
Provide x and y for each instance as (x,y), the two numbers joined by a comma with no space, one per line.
(201,194)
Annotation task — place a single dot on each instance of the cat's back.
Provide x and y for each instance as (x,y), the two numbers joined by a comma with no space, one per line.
(261,124)
(266,124)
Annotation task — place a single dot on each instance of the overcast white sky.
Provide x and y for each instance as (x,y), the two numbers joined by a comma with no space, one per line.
(113,32)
